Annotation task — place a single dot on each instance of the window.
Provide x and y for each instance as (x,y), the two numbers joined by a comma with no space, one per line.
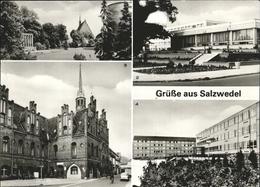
(74,170)
(2,106)
(65,130)
(6,141)
(20,147)
(9,117)
(74,150)
(70,126)
(28,123)
(37,127)
(55,148)
(32,149)
(42,151)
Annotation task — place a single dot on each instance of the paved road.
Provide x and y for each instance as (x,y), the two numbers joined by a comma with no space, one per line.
(100,182)
(244,80)
(103,182)
(62,54)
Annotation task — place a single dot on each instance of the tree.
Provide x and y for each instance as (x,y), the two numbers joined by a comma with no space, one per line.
(11,29)
(145,31)
(123,44)
(104,41)
(240,162)
(61,34)
(253,158)
(31,24)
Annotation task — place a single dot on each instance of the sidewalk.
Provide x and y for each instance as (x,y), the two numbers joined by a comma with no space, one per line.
(42,182)
(244,70)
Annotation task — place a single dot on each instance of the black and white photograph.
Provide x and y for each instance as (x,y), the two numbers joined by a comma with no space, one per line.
(66,30)
(196,43)
(60,124)
(196,143)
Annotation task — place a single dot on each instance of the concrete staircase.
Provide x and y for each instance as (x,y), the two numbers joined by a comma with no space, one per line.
(205,58)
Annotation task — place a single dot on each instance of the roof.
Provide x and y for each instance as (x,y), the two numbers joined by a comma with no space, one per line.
(84,28)
(165,138)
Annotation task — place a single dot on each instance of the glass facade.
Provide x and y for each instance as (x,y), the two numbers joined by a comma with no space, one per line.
(189,41)
(240,36)
(220,38)
(203,39)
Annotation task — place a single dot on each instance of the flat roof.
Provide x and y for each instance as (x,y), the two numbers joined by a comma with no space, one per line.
(221,27)
(222,121)
(164,138)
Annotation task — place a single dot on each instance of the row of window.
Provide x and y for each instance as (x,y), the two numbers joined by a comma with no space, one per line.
(242,117)
(235,146)
(21,148)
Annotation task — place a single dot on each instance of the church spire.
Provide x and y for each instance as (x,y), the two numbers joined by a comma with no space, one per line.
(80,100)
(80,90)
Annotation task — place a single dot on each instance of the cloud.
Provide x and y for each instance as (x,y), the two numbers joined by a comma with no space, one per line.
(233,14)
(124,87)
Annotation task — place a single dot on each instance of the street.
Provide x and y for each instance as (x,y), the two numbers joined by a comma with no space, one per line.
(102,183)
(51,182)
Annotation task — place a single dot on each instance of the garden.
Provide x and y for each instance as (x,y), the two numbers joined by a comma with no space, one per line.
(232,170)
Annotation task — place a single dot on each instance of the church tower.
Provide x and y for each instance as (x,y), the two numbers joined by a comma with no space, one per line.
(80,100)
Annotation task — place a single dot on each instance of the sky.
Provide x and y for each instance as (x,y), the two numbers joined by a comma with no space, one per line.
(67,13)
(196,10)
(181,118)
(51,85)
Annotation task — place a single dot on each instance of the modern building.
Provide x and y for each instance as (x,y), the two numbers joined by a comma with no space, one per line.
(116,13)
(154,147)
(239,131)
(74,144)
(215,34)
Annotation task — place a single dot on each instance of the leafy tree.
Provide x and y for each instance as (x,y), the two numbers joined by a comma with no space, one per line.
(104,41)
(240,162)
(145,31)
(31,24)
(11,29)
(253,158)
(123,44)
(48,33)
(61,34)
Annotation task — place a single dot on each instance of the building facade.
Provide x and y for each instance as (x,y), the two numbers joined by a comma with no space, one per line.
(70,145)
(23,135)
(154,147)
(214,34)
(239,131)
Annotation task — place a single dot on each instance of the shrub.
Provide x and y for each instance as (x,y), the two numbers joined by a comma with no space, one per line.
(39,46)
(79,57)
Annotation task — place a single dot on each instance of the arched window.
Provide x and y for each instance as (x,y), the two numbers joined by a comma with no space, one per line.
(74,150)
(32,128)
(65,130)
(32,149)
(20,147)
(92,149)
(43,148)
(37,127)
(55,148)
(70,126)
(9,117)
(74,170)
(28,123)
(6,141)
